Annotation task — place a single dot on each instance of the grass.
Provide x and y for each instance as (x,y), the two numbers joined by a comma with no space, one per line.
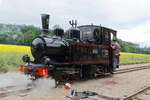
(11,57)
(133,57)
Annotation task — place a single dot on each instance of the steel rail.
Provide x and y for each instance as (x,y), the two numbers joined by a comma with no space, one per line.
(9,92)
(135,93)
(131,69)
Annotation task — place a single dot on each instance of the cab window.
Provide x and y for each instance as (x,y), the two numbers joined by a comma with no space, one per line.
(87,33)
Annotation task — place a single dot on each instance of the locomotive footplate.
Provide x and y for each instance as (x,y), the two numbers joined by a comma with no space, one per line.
(36,70)
(39,70)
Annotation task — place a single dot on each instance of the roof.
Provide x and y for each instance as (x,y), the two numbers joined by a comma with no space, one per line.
(96,26)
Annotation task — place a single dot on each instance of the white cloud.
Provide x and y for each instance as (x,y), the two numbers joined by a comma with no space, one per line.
(0,2)
(123,15)
(116,13)
(139,33)
(124,11)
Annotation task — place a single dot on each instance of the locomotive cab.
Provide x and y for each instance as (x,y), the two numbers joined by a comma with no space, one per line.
(97,34)
(91,34)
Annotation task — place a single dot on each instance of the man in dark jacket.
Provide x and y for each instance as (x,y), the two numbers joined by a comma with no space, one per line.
(116,49)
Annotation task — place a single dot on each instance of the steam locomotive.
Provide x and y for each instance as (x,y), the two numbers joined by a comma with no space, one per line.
(81,51)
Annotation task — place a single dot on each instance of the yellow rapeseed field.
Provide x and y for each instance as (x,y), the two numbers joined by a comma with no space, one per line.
(129,54)
(14,48)
(11,56)
(133,57)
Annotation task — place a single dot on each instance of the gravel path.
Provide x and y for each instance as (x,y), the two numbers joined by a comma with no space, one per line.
(117,85)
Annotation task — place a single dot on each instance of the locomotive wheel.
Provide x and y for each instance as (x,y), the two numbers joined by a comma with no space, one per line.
(87,71)
(92,71)
(60,76)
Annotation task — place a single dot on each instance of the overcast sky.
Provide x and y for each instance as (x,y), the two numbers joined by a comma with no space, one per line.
(131,18)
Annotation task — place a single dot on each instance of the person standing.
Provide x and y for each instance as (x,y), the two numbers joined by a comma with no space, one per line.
(116,49)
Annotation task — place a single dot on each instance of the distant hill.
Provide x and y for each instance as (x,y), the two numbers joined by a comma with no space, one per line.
(144,44)
(133,47)
(23,35)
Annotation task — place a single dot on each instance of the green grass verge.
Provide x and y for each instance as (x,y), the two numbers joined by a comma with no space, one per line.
(11,61)
(134,58)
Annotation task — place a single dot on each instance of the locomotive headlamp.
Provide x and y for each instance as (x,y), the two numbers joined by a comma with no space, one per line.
(26,58)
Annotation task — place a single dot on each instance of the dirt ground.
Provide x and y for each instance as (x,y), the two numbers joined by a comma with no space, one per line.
(118,85)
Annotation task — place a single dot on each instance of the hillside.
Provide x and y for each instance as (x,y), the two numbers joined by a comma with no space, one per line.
(132,47)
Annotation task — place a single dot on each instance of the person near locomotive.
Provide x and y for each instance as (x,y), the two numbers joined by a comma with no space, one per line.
(115,49)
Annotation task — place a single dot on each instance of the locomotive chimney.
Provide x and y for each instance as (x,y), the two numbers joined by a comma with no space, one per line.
(45,23)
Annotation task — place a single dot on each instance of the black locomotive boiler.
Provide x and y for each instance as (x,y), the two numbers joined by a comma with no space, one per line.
(82,51)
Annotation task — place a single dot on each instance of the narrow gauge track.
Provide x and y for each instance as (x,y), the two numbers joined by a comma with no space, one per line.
(120,71)
(129,97)
(133,95)
(9,90)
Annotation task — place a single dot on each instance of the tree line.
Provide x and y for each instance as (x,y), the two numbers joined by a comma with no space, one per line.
(18,34)
(24,34)
(132,47)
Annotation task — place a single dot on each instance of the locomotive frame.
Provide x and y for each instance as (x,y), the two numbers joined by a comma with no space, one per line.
(85,53)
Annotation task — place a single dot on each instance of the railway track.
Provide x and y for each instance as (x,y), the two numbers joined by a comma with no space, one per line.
(120,71)
(133,95)
(12,90)
(95,96)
